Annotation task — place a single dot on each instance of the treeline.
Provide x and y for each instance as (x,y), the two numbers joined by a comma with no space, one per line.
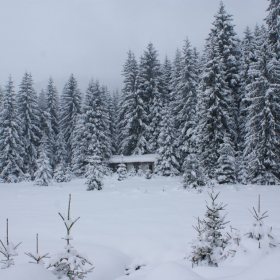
(212,116)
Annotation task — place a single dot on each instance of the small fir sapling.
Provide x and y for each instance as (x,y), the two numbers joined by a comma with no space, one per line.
(68,174)
(259,231)
(122,172)
(212,237)
(214,224)
(201,249)
(132,172)
(37,257)
(140,171)
(8,250)
(193,177)
(70,263)
(95,173)
(149,173)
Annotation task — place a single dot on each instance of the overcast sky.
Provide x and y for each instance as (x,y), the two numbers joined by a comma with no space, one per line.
(90,38)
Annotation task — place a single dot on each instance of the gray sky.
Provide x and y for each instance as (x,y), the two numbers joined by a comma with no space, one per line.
(90,38)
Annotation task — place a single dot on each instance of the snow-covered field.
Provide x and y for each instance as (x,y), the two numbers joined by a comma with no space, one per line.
(130,223)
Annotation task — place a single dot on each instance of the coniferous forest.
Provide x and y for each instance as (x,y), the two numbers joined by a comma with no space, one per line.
(213,115)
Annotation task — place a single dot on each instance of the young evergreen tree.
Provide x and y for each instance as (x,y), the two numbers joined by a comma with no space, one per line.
(12,151)
(133,112)
(152,91)
(94,173)
(122,172)
(29,115)
(42,104)
(167,163)
(43,174)
(214,223)
(193,177)
(60,159)
(70,108)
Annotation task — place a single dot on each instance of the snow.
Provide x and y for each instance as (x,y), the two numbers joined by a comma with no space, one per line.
(138,227)
(134,158)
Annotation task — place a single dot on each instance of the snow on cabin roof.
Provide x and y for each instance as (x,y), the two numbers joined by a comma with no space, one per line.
(134,158)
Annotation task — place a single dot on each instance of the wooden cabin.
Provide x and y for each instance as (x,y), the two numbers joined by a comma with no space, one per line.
(143,161)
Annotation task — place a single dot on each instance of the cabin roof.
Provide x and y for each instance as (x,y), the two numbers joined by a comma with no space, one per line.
(133,158)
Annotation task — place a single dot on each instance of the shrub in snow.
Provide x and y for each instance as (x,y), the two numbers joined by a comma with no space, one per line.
(132,172)
(36,256)
(122,173)
(140,172)
(149,173)
(193,177)
(70,263)
(94,174)
(259,231)
(209,247)
(8,250)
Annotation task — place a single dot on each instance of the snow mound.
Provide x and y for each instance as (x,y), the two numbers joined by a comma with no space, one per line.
(26,271)
(171,270)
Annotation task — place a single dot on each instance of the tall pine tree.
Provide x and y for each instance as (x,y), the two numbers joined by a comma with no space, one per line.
(30,122)
(12,151)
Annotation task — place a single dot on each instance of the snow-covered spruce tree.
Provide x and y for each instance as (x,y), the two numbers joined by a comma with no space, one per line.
(167,80)
(212,238)
(30,122)
(261,232)
(60,159)
(214,112)
(12,151)
(8,250)
(184,103)
(229,52)
(149,173)
(193,177)
(52,107)
(95,173)
(70,108)
(43,174)
(113,114)
(42,103)
(225,174)
(91,134)
(263,123)
(248,48)
(201,249)
(167,161)
(151,89)
(36,256)
(70,263)
(122,171)
(133,112)
(273,24)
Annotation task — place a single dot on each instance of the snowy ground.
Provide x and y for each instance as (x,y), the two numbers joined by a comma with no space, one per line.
(130,223)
